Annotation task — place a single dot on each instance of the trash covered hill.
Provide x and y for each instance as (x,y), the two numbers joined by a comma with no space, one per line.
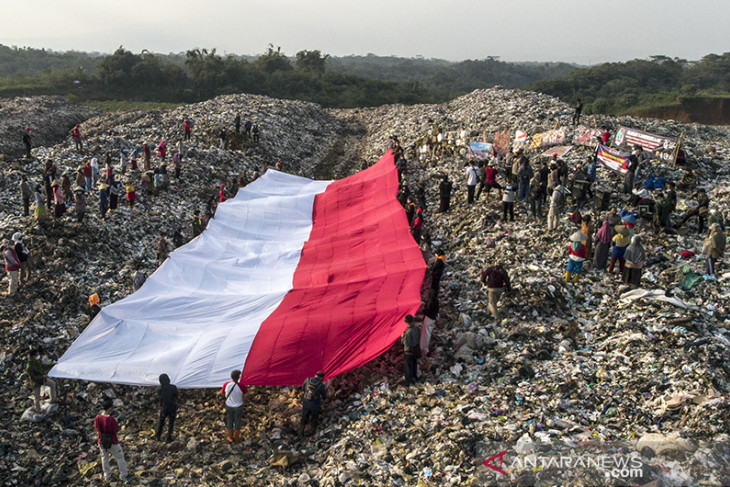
(568,365)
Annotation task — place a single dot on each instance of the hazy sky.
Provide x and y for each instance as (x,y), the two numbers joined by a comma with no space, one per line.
(580,31)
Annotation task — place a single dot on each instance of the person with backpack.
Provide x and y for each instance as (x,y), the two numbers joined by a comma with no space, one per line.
(233,392)
(167,393)
(411,341)
(107,427)
(557,202)
(314,392)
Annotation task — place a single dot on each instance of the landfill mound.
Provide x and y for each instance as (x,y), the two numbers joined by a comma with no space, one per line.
(569,365)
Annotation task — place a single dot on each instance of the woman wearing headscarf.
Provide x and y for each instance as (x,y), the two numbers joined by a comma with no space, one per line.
(635,258)
(603,245)
(620,242)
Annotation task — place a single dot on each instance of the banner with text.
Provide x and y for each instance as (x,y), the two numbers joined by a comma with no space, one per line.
(520,141)
(656,146)
(613,159)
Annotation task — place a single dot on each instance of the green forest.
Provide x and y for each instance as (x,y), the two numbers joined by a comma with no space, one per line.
(350,81)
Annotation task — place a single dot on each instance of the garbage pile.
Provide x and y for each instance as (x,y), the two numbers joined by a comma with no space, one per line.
(638,374)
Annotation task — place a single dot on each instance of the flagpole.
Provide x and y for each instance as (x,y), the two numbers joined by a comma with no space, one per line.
(676,149)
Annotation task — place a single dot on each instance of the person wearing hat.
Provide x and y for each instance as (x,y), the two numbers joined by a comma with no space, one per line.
(314,392)
(417,226)
(60,205)
(79,203)
(411,341)
(94,307)
(27,142)
(619,243)
(23,256)
(713,247)
(107,428)
(131,193)
(233,391)
(577,253)
(497,281)
(12,266)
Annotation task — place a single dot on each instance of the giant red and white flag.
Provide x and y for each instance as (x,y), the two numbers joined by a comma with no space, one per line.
(292,276)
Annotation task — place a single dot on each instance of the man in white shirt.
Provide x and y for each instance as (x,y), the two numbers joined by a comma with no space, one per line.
(472,178)
(233,391)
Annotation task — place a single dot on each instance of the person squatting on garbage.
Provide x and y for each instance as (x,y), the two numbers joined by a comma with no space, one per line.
(167,393)
(314,391)
(107,428)
(411,341)
(713,247)
(233,392)
(620,241)
(603,245)
(12,266)
(37,378)
(497,281)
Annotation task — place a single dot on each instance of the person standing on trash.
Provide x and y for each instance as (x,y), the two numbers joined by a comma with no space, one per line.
(12,267)
(603,246)
(107,428)
(508,202)
(620,242)
(536,196)
(40,203)
(635,258)
(490,174)
(222,196)
(23,256)
(60,206)
(68,194)
(256,132)
(37,378)
(524,176)
(76,134)
(436,271)
(237,123)
(25,194)
(314,393)
(167,394)
(49,176)
(662,213)
(444,194)
(187,128)
(162,150)
(103,199)
(497,281)
(472,178)
(634,160)
(27,142)
(701,212)
(197,224)
(233,392)
(79,203)
(94,307)
(163,249)
(417,226)
(713,247)
(556,205)
(578,111)
(576,255)
(587,228)
(411,341)
(176,163)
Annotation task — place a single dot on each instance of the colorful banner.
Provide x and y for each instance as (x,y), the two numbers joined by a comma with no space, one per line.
(551,137)
(501,142)
(479,150)
(656,146)
(559,151)
(583,135)
(613,159)
(520,141)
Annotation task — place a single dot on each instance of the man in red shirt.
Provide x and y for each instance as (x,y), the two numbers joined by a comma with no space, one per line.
(76,134)
(107,427)
(497,281)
